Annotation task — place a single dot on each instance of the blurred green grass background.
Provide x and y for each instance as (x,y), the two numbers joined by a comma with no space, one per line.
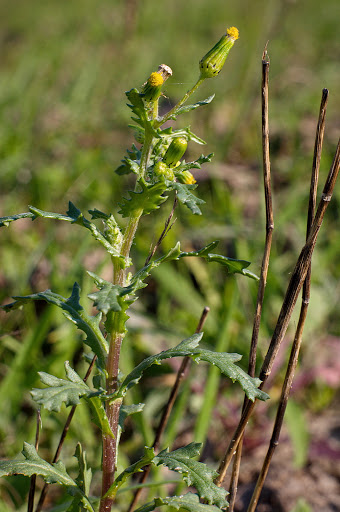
(64,69)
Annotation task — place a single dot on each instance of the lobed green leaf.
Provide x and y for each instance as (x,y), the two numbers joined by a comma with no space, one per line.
(74,312)
(233,266)
(194,473)
(60,390)
(32,464)
(189,501)
(188,108)
(186,197)
(147,199)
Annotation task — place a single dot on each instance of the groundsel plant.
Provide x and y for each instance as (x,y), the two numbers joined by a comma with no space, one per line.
(160,173)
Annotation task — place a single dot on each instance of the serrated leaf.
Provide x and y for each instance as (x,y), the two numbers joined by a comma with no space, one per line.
(233,266)
(146,200)
(188,108)
(108,298)
(189,501)
(99,416)
(128,410)
(194,473)
(186,197)
(75,216)
(85,474)
(189,347)
(134,468)
(143,273)
(226,364)
(60,390)
(185,348)
(111,297)
(202,253)
(138,108)
(35,465)
(196,164)
(74,312)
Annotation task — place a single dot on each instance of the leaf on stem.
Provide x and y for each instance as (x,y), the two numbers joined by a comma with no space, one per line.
(74,312)
(147,199)
(32,464)
(99,416)
(232,265)
(225,363)
(129,471)
(169,133)
(55,473)
(189,501)
(138,108)
(185,348)
(60,390)
(196,164)
(188,108)
(186,197)
(189,347)
(194,473)
(84,477)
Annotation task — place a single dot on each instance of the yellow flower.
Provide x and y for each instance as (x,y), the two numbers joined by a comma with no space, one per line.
(152,88)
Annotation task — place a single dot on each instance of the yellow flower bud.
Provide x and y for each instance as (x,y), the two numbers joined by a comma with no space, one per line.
(214,60)
(186,177)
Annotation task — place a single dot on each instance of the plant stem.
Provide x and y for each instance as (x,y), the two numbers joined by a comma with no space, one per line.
(293,290)
(117,322)
(293,360)
(265,261)
(179,104)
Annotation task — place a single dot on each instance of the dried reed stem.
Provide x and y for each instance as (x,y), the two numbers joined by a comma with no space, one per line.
(303,311)
(265,260)
(167,411)
(297,278)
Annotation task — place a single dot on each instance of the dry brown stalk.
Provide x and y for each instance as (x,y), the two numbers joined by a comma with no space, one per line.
(295,284)
(167,411)
(265,259)
(293,360)
(165,231)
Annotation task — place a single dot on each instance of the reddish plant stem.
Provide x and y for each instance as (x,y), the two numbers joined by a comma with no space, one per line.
(112,411)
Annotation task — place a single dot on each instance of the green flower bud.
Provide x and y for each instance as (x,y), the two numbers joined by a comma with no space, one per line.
(186,177)
(214,60)
(175,151)
(161,169)
(152,88)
